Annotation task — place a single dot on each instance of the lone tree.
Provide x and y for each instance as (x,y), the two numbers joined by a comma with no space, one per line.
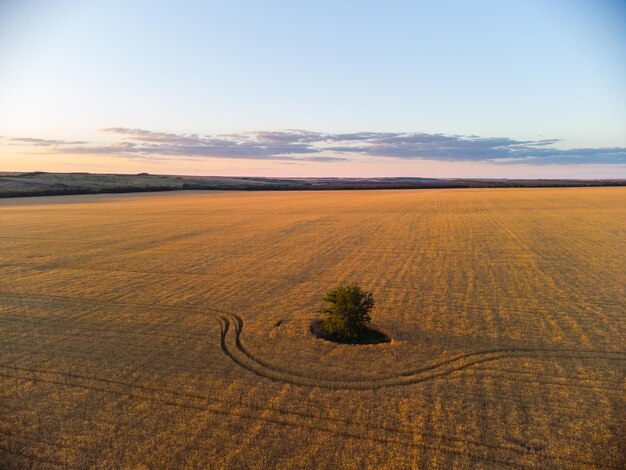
(348,311)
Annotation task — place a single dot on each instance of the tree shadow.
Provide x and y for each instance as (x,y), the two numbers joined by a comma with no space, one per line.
(363,336)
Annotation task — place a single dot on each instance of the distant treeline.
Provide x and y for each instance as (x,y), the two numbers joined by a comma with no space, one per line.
(406,185)
(268,185)
(75,191)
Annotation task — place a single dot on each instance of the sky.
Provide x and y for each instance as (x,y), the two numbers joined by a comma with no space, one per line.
(510,89)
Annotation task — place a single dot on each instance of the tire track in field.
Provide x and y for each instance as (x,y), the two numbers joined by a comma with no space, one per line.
(288,418)
(233,348)
(231,345)
(238,326)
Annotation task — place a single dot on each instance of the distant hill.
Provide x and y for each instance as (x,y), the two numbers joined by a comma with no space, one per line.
(41,183)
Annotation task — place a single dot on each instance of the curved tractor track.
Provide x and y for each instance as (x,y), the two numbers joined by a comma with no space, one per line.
(231,345)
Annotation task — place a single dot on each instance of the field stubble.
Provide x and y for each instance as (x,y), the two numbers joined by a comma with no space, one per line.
(173,329)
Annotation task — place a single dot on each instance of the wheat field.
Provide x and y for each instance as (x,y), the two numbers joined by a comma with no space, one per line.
(172,330)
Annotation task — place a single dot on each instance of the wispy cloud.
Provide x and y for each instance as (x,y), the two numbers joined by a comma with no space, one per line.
(306,146)
(41,142)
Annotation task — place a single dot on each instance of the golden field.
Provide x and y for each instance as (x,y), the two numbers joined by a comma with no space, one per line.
(172,330)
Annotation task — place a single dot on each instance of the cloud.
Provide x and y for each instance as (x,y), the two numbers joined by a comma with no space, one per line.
(251,146)
(296,145)
(41,142)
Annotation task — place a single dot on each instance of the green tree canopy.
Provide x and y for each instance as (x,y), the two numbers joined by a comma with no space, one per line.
(348,310)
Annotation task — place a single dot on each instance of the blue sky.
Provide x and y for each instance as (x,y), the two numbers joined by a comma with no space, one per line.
(446,88)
